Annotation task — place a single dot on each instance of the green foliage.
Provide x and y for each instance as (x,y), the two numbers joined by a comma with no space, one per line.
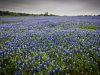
(8,66)
(89,28)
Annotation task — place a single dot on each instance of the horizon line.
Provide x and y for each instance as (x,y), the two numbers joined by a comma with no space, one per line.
(49,13)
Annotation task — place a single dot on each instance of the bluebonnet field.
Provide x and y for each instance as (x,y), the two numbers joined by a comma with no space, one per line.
(51,45)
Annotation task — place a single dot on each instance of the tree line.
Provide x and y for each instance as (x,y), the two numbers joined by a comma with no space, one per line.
(8,13)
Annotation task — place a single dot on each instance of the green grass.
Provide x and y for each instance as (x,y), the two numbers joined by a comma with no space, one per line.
(89,28)
(23,29)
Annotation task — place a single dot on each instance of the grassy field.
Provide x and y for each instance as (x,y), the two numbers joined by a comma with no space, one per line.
(50,45)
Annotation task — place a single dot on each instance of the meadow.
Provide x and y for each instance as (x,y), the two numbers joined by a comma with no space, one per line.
(50,45)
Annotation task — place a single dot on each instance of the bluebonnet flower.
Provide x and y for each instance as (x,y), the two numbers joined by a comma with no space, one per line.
(70,45)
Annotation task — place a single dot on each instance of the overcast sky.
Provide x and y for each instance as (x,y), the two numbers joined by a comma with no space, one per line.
(58,7)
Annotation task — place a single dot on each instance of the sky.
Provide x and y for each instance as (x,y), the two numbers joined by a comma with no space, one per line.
(57,7)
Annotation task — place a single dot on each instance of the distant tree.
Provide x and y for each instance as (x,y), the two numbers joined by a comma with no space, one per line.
(7,13)
(52,15)
(46,14)
(85,15)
